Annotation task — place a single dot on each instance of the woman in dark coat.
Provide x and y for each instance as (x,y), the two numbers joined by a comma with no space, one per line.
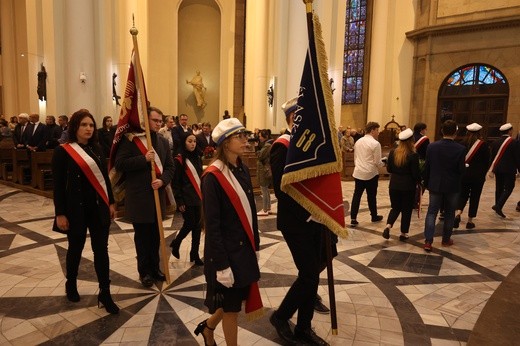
(477,165)
(263,171)
(106,135)
(403,166)
(83,199)
(186,187)
(232,240)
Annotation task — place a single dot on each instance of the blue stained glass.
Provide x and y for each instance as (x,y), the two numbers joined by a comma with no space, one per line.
(474,75)
(353,58)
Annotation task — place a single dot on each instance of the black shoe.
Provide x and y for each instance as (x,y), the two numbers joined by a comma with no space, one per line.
(377,218)
(105,299)
(319,307)
(386,233)
(308,337)
(71,289)
(146,280)
(456,222)
(200,329)
(498,211)
(195,258)
(175,248)
(470,225)
(403,237)
(354,223)
(158,276)
(283,329)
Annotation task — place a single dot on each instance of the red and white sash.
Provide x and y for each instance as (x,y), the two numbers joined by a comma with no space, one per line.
(140,140)
(283,139)
(500,153)
(89,167)
(420,142)
(238,198)
(473,150)
(192,174)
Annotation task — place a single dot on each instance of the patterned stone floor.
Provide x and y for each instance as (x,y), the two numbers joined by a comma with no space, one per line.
(387,292)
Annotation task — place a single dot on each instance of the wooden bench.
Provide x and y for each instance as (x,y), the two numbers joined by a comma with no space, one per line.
(21,166)
(41,170)
(6,163)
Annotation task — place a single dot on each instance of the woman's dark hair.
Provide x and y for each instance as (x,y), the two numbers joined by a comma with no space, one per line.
(265,133)
(182,148)
(419,127)
(104,125)
(75,121)
(471,137)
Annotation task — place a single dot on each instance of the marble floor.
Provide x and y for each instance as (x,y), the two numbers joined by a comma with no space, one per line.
(388,292)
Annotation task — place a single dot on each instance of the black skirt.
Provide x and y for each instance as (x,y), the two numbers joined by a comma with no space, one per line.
(229,299)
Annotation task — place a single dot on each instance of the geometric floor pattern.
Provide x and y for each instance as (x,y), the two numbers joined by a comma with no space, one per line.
(387,292)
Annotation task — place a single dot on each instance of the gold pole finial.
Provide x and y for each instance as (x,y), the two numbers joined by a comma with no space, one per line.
(133,29)
(308,5)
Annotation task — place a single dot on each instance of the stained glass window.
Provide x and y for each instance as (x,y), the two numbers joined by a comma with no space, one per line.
(354,56)
(474,75)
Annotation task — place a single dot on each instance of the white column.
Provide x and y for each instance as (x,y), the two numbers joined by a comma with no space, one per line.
(79,55)
(256,81)
(9,76)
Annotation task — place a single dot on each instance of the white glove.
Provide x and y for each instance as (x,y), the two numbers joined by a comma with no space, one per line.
(225,277)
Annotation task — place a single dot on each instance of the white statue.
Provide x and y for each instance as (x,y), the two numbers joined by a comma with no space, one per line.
(198,89)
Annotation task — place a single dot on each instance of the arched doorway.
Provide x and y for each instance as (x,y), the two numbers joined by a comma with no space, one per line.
(474,93)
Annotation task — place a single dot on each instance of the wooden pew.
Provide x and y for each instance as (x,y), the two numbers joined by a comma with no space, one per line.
(20,164)
(40,167)
(6,163)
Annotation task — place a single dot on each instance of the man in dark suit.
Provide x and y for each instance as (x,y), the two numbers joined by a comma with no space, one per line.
(21,131)
(304,238)
(139,195)
(443,171)
(36,135)
(204,138)
(505,162)
(178,133)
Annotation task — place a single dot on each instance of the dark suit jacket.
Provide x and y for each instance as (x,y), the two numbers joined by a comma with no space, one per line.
(406,177)
(444,166)
(183,190)
(139,195)
(291,216)
(18,136)
(227,244)
(478,166)
(36,138)
(202,143)
(73,193)
(510,161)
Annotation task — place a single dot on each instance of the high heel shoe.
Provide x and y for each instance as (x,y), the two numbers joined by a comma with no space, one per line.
(105,300)
(200,329)
(195,258)
(175,245)
(71,289)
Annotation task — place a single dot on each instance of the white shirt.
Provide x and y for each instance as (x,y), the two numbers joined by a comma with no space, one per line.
(367,158)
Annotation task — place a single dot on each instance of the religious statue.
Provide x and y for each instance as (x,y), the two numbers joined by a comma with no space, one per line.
(198,89)
(115,96)
(270,96)
(42,84)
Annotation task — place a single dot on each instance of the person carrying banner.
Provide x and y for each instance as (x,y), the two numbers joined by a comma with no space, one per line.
(443,171)
(83,199)
(477,165)
(367,160)
(232,239)
(133,160)
(304,239)
(186,187)
(505,156)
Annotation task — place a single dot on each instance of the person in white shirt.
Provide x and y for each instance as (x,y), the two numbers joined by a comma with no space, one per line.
(367,160)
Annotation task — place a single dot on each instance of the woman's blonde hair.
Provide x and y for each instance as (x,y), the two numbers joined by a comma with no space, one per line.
(404,148)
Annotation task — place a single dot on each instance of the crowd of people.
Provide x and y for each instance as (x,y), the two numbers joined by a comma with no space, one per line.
(220,199)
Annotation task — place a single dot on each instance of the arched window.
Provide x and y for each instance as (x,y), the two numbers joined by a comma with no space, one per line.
(474,93)
(354,52)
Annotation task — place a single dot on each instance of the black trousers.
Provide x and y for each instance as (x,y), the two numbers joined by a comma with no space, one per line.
(505,183)
(146,240)
(471,191)
(77,235)
(306,250)
(192,222)
(360,186)
(402,202)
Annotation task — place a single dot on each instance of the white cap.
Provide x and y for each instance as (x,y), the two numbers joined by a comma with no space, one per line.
(506,127)
(290,106)
(406,134)
(226,128)
(474,127)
